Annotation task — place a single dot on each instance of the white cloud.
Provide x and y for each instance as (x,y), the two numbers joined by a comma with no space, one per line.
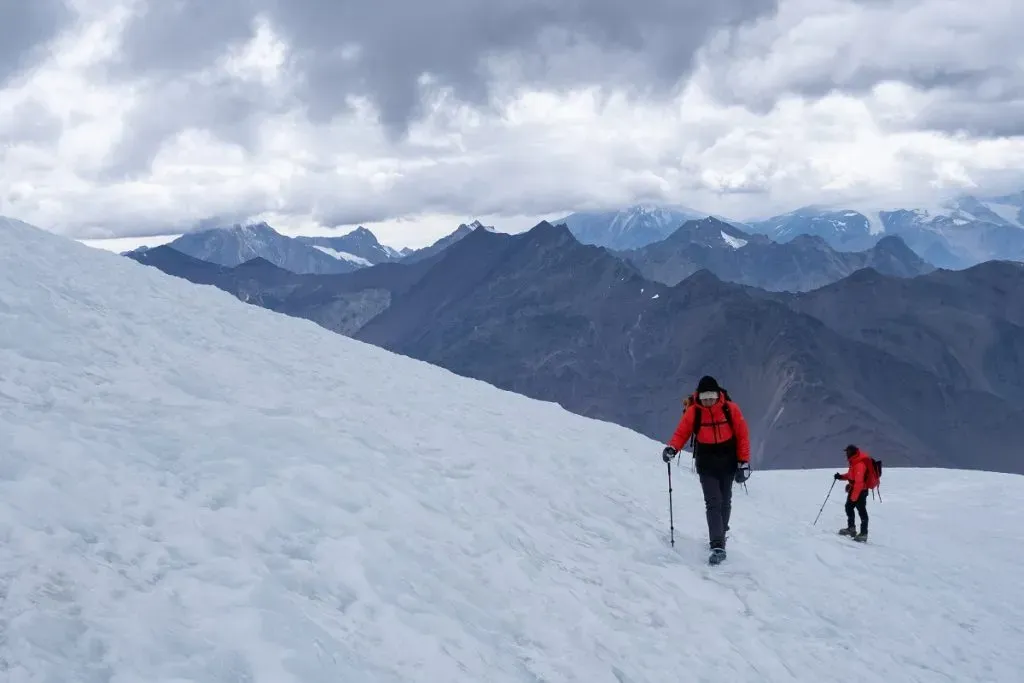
(757,128)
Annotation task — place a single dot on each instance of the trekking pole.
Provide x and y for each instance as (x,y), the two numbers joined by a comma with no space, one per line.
(826,500)
(671,521)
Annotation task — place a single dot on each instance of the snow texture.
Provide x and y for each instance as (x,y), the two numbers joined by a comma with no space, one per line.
(734,242)
(343,255)
(195,489)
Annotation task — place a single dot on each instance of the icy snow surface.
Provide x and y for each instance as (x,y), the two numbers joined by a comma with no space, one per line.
(194,489)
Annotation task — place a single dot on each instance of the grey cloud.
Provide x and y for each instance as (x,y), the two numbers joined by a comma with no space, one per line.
(25,27)
(399,40)
(228,109)
(990,107)
(515,183)
(966,55)
(29,122)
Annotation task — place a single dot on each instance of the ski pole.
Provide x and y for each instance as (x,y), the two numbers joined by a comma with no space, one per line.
(826,500)
(671,521)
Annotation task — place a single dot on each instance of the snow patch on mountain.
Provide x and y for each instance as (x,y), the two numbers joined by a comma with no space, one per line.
(351,258)
(734,242)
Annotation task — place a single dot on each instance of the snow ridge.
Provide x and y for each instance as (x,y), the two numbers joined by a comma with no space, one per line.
(196,489)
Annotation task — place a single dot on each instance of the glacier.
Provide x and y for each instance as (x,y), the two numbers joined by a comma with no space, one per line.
(196,489)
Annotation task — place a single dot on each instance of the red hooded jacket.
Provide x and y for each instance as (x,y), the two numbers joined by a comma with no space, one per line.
(857,473)
(714,427)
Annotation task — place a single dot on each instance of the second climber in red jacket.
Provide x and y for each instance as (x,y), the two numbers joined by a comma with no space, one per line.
(857,492)
(721,454)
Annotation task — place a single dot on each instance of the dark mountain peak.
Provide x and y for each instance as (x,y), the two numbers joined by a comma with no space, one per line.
(894,245)
(478,244)
(698,225)
(238,233)
(362,236)
(865,275)
(715,223)
(891,242)
(460,233)
(163,253)
(261,265)
(806,241)
(704,283)
(708,231)
(261,228)
(174,262)
(481,235)
(549,234)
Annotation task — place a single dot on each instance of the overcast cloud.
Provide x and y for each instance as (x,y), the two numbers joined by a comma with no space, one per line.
(136,117)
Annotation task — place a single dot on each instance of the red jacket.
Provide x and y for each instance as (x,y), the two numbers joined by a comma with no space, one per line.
(857,473)
(714,428)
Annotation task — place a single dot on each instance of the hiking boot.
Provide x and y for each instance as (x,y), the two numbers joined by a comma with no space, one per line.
(848,531)
(862,537)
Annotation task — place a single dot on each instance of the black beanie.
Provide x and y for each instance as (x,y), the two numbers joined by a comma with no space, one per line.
(851,451)
(707,383)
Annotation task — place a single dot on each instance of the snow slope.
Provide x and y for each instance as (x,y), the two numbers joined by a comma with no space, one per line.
(193,489)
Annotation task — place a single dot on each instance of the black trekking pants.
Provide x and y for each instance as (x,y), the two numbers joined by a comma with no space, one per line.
(861,506)
(717,488)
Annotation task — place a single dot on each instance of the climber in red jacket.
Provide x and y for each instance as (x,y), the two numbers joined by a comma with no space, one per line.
(858,478)
(721,453)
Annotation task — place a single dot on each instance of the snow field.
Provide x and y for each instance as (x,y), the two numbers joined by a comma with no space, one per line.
(193,489)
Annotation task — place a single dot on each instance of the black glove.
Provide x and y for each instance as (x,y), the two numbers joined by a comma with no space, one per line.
(743,473)
(838,476)
(668,453)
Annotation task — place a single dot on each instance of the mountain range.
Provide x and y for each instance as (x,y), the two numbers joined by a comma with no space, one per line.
(926,375)
(316,255)
(803,263)
(956,234)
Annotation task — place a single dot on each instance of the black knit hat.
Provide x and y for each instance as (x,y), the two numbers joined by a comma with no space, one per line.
(708,383)
(851,451)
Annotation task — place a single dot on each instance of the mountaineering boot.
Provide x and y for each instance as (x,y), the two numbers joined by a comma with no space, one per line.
(848,531)
(717,556)
(862,537)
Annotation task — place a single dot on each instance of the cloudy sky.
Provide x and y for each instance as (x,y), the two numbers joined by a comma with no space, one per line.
(150,117)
